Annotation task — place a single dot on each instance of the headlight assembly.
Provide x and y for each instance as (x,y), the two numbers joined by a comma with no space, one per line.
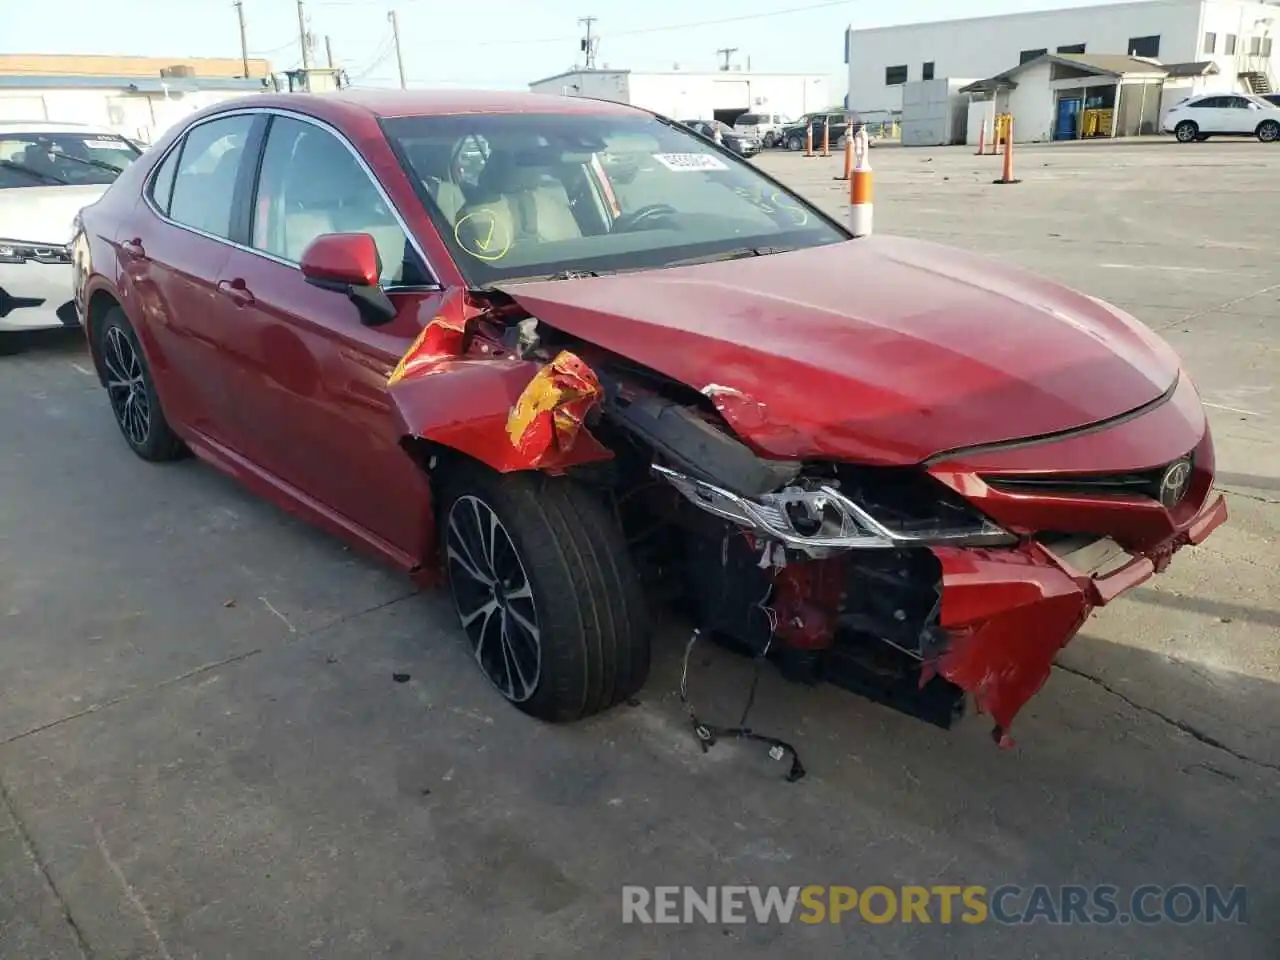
(18,251)
(821,520)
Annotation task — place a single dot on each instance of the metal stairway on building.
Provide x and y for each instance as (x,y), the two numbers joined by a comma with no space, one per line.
(1256,83)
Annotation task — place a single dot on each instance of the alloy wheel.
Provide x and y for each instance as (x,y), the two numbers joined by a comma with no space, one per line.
(494,598)
(1269,131)
(127,386)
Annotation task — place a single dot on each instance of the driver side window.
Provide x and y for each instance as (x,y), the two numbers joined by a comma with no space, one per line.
(310,185)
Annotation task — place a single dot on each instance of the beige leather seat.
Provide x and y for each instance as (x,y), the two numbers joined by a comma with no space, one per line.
(519,205)
(431,162)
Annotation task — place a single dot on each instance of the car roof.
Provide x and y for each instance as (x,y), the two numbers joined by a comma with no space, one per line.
(350,104)
(52,126)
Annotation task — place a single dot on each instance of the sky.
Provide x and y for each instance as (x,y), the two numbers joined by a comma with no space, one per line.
(494,43)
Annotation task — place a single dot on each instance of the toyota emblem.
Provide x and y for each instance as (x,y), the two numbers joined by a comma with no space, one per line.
(1174,483)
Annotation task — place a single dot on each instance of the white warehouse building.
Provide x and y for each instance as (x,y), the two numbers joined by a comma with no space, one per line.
(698,95)
(1235,35)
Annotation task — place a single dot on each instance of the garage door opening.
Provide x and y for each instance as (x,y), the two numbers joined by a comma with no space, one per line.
(731,99)
(729,116)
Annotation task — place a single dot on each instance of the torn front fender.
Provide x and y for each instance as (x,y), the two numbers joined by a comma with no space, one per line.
(548,417)
(470,403)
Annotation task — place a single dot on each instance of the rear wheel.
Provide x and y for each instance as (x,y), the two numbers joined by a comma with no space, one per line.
(1186,131)
(545,590)
(132,393)
(1269,131)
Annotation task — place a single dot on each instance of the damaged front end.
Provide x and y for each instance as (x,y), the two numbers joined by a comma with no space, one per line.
(833,570)
(885,580)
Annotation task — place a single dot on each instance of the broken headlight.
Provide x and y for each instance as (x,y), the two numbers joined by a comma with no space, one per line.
(818,518)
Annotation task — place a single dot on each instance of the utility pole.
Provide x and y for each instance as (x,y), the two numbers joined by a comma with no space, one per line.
(304,37)
(589,42)
(726,52)
(328,50)
(395,35)
(244,42)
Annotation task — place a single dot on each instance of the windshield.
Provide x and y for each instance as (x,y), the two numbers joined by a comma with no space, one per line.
(523,196)
(40,159)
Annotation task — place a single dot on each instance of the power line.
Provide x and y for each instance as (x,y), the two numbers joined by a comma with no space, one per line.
(687,25)
(380,53)
(290,44)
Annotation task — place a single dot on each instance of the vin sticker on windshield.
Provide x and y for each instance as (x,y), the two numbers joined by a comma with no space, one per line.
(690,161)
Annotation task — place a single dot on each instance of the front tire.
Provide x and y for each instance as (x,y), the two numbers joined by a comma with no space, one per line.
(131,391)
(545,590)
(1269,131)
(1186,131)
(794,144)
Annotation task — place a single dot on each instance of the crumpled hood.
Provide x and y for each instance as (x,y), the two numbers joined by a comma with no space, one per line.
(44,214)
(881,350)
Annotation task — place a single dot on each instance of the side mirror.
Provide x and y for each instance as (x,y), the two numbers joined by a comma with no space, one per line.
(349,263)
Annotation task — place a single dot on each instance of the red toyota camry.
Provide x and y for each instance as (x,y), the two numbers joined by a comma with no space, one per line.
(570,357)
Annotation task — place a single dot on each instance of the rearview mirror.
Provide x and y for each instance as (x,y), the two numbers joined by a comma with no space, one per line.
(349,263)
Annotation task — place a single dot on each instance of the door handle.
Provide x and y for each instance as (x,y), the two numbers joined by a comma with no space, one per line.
(133,248)
(236,291)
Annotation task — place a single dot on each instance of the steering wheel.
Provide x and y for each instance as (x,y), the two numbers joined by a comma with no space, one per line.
(630,221)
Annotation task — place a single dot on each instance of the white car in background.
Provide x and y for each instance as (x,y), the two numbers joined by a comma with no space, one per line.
(1228,114)
(48,173)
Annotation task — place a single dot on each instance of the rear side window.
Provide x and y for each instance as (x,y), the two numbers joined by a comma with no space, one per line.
(748,120)
(162,181)
(204,184)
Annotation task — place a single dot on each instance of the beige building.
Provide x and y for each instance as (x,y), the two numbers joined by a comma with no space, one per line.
(139,97)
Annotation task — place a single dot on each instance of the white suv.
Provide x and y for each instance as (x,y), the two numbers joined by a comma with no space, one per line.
(48,173)
(1231,114)
(764,127)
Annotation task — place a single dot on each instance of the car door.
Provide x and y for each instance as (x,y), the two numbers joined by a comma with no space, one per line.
(311,377)
(1199,111)
(1238,115)
(172,251)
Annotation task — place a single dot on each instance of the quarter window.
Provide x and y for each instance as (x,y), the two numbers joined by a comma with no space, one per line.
(205,184)
(162,182)
(311,185)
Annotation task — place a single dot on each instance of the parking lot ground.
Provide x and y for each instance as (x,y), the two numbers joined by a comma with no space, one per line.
(203,751)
